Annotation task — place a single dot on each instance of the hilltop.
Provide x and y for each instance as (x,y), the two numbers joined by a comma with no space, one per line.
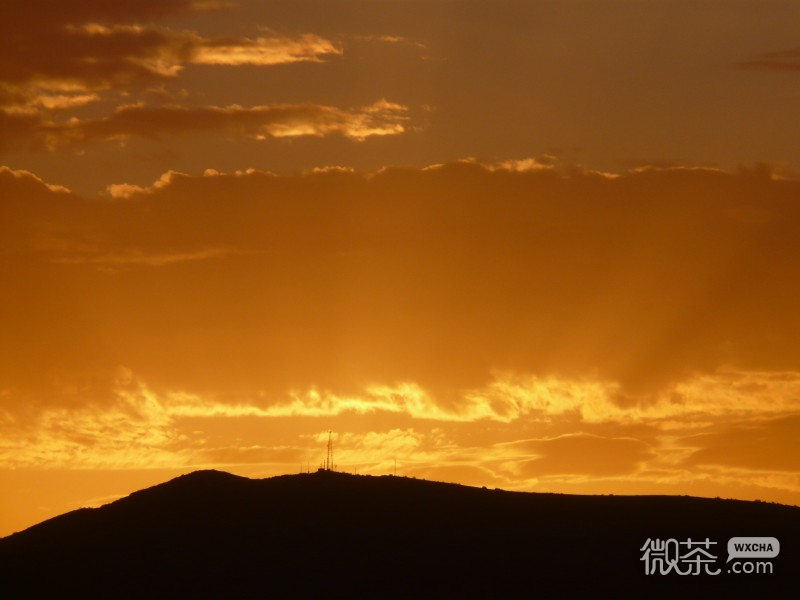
(213,534)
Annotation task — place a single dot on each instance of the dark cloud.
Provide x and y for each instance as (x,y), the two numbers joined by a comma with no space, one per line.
(50,45)
(20,130)
(256,282)
(91,56)
(782,60)
(380,118)
(41,14)
(55,59)
(95,57)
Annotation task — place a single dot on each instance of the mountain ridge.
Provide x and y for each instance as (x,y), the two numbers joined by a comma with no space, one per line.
(211,533)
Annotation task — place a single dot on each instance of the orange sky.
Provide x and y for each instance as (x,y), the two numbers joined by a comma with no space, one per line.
(533,245)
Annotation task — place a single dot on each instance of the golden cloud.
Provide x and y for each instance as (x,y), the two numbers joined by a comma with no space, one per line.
(105,418)
(136,427)
(263,51)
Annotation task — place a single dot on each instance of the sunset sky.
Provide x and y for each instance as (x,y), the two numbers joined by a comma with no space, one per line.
(545,245)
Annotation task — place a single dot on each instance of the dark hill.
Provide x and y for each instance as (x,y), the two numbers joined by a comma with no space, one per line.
(212,534)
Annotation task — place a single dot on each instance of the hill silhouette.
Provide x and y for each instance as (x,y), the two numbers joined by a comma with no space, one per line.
(213,534)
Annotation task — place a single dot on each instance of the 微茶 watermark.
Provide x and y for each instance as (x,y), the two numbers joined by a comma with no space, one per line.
(698,557)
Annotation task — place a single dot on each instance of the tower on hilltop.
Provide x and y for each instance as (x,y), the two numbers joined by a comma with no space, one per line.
(329,465)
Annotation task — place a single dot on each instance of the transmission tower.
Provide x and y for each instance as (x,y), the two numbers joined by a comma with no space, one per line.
(329,466)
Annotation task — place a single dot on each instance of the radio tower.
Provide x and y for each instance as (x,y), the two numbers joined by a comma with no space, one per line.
(329,466)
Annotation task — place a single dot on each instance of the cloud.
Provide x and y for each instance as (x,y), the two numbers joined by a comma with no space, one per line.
(782,60)
(381,118)
(19,181)
(535,328)
(114,262)
(97,54)
(19,129)
(542,163)
(93,57)
(127,190)
(750,445)
(33,14)
(62,101)
(263,51)
(569,454)
(130,425)
(390,39)
(94,434)
(116,420)
(64,59)
(526,292)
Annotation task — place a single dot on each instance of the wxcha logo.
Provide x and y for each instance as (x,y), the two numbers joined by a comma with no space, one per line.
(752,547)
(694,558)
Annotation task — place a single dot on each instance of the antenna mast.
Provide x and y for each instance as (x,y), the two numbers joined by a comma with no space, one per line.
(329,458)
